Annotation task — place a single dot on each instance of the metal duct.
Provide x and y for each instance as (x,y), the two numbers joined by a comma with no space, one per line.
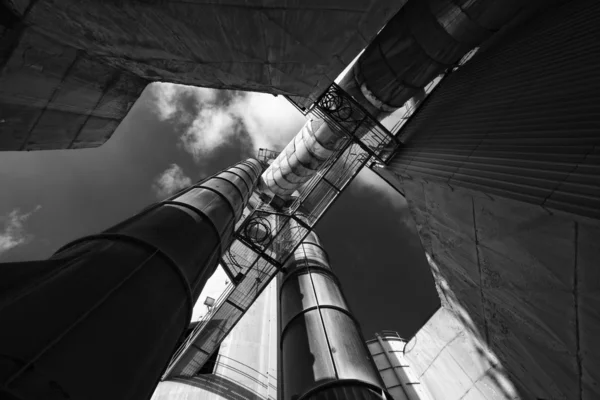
(418,44)
(110,307)
(323,355)
(421,41)
(301,158)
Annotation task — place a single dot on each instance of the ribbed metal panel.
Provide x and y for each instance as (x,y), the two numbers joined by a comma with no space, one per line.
(521,119)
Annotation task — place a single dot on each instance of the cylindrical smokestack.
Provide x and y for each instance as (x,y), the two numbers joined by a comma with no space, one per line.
(100,319)
(323,354)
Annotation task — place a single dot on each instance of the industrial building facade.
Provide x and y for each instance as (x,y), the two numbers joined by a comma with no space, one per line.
(499,163)
(501,172)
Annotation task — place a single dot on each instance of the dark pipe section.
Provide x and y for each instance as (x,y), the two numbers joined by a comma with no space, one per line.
(420,42)
(100,319)
(323,354)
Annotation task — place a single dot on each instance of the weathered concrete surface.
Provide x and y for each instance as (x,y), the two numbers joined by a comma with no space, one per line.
(53,96)
(246,367)
(281,46)
(275,46)
(452,361)
(520,295)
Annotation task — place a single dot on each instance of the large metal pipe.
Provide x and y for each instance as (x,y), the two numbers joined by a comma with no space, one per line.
(301,158)
(100,319)
(423,40)
(417,44)
(323,354)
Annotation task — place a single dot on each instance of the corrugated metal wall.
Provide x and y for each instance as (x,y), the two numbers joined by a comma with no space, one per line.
(521,119)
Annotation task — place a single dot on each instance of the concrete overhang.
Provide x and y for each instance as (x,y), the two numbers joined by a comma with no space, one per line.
(70,70)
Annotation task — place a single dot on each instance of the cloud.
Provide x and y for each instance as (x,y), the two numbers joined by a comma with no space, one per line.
(13,233)
(271,121)
(211,129)
(166,97)
(209,119)
(368,183)
(169,181)
(369,180)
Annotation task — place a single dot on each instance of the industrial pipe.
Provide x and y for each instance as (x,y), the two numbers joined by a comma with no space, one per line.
(301,158)
(421,41)
(323,354)
(100,319)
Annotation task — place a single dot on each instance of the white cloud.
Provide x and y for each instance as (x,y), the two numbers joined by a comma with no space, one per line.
(271,121)
(13,233)
(211,128)
(165,96)
(369,181)
(219,117)
(170,180)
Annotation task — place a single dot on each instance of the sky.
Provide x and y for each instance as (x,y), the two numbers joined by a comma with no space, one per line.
(175,135)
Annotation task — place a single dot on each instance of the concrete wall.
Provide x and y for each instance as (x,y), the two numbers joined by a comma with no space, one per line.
(268,46)
(53,96)
(246,366)
(519,289)
(501,172)
(452,362)
(92,49)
